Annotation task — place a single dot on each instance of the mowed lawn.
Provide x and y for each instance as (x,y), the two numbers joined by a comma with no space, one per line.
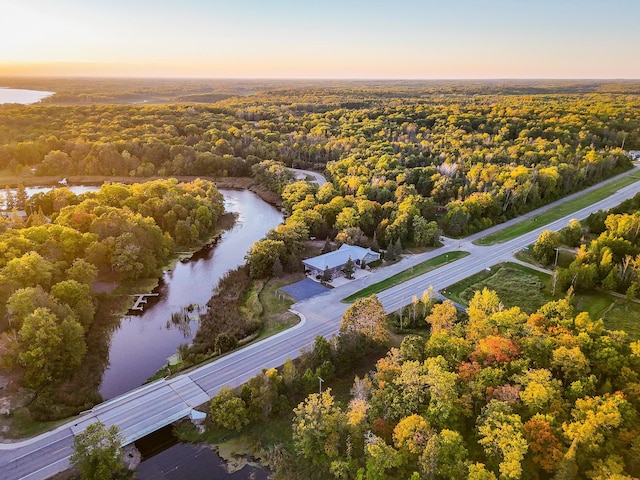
(405,275)
(557,212)
(624,315)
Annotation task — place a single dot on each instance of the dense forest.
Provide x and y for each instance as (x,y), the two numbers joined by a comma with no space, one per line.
(490,393)
(466,158)
(607,251)
(502,394)
(49,264)
(405,160)
(112,90)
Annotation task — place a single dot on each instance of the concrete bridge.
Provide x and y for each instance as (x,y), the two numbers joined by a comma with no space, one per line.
(157,404)
(150,407)
(153,406)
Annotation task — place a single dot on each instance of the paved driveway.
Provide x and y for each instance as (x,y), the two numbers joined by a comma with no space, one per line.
(304,289)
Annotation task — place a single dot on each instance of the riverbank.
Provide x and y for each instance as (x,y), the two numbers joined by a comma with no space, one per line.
(148,339)
(194,271)
(260,302)
(234,183)
(147,285)
(113,301)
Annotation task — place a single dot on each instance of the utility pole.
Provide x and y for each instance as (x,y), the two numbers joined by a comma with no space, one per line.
(321,380)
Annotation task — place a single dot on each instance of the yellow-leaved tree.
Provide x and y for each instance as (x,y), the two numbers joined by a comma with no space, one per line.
(366,316)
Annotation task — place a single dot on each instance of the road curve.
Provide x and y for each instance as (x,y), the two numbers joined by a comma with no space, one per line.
(140,411)
(318,177)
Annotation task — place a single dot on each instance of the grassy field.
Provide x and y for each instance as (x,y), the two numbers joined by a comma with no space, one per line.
(617,313)
(623,315)
(509,281)
(275,310)
(516,284)
(564,258)
(405,275)
(19,424)
(595,303)
(557,212)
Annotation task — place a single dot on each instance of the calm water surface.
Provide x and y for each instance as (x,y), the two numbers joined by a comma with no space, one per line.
(164,458)
(186,461)
(25,97)
(143,343)
(77,189)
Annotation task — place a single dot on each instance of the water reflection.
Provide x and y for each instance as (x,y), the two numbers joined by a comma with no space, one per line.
(142,344)
(183,319)
(31,191)
(165,458)
(22,96)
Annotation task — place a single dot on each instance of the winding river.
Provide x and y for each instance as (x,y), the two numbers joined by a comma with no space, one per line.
(143,343)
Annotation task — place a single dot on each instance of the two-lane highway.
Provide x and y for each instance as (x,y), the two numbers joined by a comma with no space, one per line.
(147,408)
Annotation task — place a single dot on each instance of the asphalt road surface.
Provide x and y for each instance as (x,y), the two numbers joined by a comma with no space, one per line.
(150,407)
(318,178)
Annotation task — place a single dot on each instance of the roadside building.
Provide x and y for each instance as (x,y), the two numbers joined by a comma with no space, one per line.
(635,155)
(335,261)
(14,215)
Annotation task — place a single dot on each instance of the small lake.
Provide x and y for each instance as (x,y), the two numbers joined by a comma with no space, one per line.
(24,97)
(143,343)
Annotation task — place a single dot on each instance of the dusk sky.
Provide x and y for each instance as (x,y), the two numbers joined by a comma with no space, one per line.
(322,39)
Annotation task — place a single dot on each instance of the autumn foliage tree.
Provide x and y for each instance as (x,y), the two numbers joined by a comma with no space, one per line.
(48,266)
(505,395)
(97,453)
(50,348)
(318,428)
(228,410)
(366,316)
(442,317)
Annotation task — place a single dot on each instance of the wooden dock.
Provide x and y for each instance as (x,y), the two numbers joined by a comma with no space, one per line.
(141,299)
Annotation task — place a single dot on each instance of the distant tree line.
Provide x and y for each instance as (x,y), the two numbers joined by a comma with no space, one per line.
(476,159)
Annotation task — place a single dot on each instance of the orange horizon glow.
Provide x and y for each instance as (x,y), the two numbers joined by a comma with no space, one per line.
(98,70)
(368,39)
